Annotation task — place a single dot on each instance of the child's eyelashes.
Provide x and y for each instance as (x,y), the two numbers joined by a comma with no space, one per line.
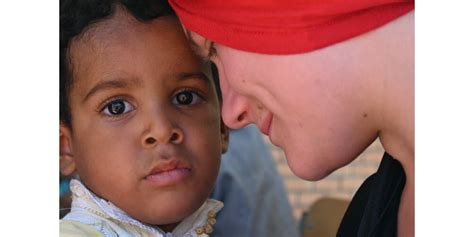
(116,107)
(187,96)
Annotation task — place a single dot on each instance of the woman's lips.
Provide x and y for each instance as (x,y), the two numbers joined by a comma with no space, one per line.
(168,173)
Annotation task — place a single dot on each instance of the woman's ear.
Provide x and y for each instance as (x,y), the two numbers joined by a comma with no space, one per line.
(67,165)
(224,137)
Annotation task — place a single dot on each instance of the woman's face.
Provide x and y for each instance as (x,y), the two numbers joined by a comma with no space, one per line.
(308,104)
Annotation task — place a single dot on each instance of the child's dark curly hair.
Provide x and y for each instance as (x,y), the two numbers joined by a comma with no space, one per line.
(76,15)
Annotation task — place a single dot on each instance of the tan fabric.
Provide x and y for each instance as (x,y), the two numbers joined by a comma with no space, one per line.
(324,217)
(76,229)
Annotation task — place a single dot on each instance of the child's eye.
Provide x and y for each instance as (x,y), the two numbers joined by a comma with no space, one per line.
(117,107)
(187,97)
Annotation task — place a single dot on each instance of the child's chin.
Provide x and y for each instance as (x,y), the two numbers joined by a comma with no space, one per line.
(172,214)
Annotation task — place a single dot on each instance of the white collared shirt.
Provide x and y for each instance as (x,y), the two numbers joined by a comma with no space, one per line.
(91,210)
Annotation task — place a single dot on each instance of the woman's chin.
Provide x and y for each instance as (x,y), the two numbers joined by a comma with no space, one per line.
(307,168)
(312,165)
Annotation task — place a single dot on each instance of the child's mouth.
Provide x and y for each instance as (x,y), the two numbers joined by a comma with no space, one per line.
(168,173)
(168,177)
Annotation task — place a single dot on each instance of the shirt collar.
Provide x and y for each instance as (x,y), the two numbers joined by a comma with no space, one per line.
(84,197)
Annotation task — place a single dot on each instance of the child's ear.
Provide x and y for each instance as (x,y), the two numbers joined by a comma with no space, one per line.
(224,137)
(67,165)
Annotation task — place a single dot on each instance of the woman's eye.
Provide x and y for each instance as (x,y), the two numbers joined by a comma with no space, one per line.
(117,107)
(186,98)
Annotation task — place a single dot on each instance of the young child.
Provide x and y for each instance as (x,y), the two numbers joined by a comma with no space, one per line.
(140,123)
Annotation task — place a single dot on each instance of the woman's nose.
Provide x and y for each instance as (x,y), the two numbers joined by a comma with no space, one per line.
(235,109)
(161,131)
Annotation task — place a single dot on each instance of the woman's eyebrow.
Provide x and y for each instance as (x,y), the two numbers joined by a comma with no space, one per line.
(111,84)
(198,50)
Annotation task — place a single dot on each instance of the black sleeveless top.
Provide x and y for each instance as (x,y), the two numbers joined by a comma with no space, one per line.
(374,209)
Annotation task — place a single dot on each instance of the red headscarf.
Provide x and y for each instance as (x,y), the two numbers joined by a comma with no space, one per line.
(285,26)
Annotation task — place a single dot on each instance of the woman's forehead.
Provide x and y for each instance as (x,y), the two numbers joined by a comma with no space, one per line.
(200,45)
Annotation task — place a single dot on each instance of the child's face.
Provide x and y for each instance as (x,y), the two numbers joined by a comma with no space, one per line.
(146,130)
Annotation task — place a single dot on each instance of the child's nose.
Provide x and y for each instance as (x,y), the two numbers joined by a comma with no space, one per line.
(162,132)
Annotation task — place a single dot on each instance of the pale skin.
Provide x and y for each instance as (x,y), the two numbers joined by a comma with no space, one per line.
(325,107)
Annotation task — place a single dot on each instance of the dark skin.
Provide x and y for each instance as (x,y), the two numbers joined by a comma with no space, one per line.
(150,104)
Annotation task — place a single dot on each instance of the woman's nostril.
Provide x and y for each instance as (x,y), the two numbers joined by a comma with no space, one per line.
(241,117)
(174,137)
(150,140)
